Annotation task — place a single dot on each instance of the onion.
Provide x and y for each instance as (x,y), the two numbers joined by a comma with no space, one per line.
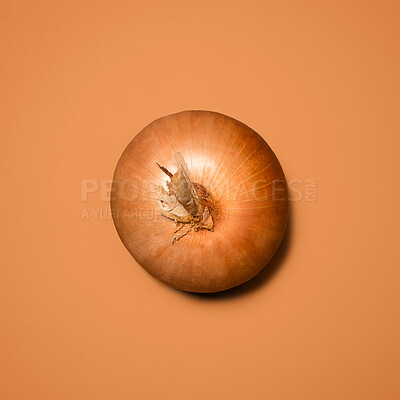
(200,201)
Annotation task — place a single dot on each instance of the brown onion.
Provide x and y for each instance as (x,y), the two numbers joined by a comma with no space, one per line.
(239,171)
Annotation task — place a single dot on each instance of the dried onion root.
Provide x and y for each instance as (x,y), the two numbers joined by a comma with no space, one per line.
(185,202)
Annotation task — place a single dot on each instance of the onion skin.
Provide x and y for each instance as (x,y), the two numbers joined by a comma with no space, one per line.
(241,173)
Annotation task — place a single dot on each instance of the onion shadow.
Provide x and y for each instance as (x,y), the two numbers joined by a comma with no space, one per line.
(262,278)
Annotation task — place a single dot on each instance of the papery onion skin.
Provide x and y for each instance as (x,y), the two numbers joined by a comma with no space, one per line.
(242,174)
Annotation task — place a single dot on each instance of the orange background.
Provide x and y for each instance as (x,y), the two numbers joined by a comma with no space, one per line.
(319,80)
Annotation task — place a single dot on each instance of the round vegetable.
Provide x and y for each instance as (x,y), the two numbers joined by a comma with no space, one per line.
(200,201)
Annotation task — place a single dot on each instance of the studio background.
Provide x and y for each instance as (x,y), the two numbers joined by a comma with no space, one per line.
(319,80)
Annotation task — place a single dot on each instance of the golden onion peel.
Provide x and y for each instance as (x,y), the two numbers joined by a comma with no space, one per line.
(224,159)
